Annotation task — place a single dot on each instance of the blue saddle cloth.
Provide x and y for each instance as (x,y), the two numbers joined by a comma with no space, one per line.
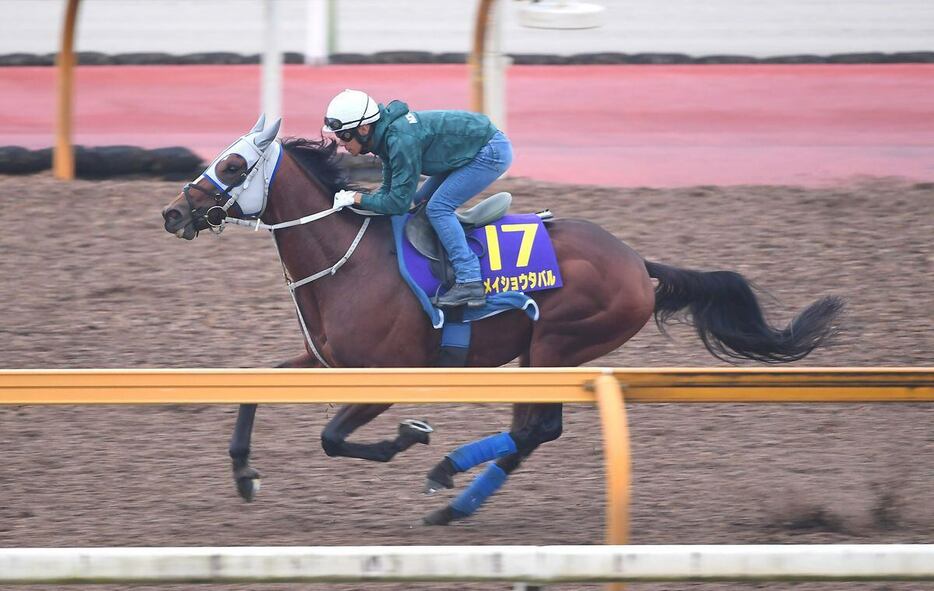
(495,302)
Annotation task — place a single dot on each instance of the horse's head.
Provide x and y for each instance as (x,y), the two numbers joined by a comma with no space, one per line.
(235,184)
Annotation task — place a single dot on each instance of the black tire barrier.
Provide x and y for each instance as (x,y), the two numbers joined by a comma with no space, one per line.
(537,59)
(425,57)
(452,58)
(109,161)
(402,57)
(27,59)
(658,58)
(597,58)
(795,59)
(174,163)
(17,160)
(726,59)
(347,58)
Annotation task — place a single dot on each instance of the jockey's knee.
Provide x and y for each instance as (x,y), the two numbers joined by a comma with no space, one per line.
(331,443)
(438,208)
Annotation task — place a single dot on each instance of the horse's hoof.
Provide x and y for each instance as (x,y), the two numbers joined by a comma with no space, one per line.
(247,488)
(417,431)
(433,486)
(248,483)
(441,476)
(440,517)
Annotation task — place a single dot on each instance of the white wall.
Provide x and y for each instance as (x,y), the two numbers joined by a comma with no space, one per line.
(696,27)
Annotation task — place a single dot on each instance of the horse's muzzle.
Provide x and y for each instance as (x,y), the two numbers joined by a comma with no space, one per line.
(179,224)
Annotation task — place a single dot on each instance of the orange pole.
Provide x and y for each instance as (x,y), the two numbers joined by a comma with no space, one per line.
(476,56)
(616,454)
(63,157)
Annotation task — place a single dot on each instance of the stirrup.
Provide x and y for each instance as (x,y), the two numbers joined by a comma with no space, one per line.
(417,425)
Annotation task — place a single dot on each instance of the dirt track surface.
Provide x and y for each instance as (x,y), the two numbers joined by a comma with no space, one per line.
(90,279)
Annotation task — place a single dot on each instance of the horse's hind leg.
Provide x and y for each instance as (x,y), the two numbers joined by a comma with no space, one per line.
(246,478)
(353,416)
(466,457)
(533,425)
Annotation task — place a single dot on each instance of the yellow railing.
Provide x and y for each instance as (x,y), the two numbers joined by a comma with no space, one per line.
(603,386)
(504,385)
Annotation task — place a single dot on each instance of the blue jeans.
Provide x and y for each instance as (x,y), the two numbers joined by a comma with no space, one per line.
(446,192)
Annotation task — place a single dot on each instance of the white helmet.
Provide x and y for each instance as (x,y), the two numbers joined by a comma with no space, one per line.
(350,109)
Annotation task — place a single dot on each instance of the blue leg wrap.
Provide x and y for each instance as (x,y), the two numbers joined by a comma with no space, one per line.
(482,488)
(489,448)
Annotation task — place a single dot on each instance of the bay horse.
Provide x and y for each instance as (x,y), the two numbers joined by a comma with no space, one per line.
(356,310)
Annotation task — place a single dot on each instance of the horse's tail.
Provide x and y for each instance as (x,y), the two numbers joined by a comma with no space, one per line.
(723,308)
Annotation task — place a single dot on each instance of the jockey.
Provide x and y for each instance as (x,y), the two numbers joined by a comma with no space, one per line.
(462,153)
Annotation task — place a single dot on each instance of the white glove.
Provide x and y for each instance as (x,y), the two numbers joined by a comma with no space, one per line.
(344,198)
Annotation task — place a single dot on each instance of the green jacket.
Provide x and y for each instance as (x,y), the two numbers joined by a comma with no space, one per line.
(410,144)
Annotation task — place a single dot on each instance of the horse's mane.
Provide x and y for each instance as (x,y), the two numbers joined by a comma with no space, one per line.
(319,158)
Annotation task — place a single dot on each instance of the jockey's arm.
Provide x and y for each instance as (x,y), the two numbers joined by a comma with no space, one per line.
(395,196)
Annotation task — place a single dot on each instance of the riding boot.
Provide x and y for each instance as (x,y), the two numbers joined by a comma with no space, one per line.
(472,294)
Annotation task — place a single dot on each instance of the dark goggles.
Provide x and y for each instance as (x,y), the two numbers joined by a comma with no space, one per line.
(335,124)
(345,135)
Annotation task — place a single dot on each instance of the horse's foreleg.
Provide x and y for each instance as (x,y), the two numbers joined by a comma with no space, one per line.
(353,416)
(246,478)
(533,425)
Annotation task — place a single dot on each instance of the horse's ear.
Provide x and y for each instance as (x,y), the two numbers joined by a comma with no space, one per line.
(260,123)
(267,135)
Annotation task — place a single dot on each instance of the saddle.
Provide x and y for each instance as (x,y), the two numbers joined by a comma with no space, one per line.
(421,234)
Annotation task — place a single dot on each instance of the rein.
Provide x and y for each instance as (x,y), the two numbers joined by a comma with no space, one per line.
(294,285)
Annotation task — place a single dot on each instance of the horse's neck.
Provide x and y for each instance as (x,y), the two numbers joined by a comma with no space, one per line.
(310,247)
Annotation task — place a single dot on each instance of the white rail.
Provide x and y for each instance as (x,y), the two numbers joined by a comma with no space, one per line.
(532,564)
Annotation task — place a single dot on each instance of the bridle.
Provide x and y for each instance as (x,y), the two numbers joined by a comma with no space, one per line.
(226,196)
(250,199)
(214,215)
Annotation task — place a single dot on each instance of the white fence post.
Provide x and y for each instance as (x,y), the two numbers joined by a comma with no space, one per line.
(317,25)
(494,69)
(272,63)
